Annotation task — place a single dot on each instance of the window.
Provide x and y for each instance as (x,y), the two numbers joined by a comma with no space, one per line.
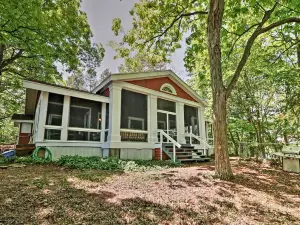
(136,123)
(83,136)
(84,114)
(106,123)
(133,111)
(209,132)
(168,88)
(54,117)
(55,109)
(166,105)
(52,134)
(191,122)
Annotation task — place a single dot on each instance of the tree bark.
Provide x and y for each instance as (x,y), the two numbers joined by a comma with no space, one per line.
(214,22)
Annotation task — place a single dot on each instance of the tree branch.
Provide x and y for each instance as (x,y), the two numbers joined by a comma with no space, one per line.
(258,31)
(279,23)
(240,35)
(2,49)
(292,45)
(11,60)
(178,17)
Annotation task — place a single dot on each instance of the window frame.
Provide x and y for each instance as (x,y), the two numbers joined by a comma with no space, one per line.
(144,120)
(130,118)
(167,85)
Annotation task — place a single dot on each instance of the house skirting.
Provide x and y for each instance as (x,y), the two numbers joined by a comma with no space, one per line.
(129,153)
(122,153)
(57,152)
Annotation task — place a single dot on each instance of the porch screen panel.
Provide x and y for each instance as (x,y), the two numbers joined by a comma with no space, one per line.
(54,116)
(191,121)
(133,111)
(84,114)
(106,123)
(166,105)
(55,109)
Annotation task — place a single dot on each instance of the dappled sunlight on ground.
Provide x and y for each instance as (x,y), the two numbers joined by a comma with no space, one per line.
(258,194)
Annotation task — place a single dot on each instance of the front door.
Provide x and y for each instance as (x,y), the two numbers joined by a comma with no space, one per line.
(166,118)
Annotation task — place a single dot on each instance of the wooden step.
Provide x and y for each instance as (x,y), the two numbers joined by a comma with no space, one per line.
(195,160)
(26,148)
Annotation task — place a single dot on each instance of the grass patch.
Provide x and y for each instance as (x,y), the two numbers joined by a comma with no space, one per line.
(41,182)
(92,175)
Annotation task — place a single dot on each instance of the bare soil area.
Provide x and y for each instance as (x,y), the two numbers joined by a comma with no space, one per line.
(48,194)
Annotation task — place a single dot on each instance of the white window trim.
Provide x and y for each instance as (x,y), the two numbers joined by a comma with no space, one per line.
(167,112)
(170,87)
(51,127)
(51,116)
(56,103)
(90,115)
(99,116)
(130,118)
(134,131)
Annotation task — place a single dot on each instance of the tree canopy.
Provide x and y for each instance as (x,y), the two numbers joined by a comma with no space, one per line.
(38,40)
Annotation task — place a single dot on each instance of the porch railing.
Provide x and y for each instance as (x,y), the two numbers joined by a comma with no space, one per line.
(191,136)
(162,135)
(134,135)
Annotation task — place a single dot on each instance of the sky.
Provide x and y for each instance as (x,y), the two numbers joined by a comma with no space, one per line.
(100,14)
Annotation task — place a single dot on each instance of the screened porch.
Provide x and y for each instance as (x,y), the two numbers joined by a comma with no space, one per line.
(142,116)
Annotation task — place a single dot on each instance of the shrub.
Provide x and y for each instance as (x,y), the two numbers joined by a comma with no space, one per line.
(80,162)
(275,162)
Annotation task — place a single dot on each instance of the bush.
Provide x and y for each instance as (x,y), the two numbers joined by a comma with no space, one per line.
(80,162)
(23,160)
(275,162)
(4,161)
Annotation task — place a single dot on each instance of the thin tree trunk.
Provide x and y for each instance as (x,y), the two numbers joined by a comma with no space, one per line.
(222,163)
(235,144)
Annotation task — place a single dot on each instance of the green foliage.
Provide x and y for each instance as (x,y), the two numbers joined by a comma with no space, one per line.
(37,39)
(27,160)
(41,182)
(80,162)
(8,133)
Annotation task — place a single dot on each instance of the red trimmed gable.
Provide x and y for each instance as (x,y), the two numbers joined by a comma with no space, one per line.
(105,92)
(156,83)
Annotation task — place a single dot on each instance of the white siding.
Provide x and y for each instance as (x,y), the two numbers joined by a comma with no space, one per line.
(57,152)
(144,154)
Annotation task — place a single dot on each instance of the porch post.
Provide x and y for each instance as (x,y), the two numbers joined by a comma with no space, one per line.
(43,116)
(180,123)
(153,118)
(201,123)
(65,118)
(115,113)
(103,120)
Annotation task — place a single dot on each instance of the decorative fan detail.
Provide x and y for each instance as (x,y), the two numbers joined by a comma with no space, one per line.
(168,88)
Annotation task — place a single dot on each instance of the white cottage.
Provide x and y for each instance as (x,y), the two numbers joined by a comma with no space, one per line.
(147,115)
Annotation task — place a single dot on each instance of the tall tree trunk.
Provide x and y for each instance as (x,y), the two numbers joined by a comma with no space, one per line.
(222,163)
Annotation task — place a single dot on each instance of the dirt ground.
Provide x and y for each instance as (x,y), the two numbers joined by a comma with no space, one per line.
(259,194)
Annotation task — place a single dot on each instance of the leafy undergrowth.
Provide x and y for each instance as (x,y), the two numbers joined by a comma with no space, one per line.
(80,162)
(51,194)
